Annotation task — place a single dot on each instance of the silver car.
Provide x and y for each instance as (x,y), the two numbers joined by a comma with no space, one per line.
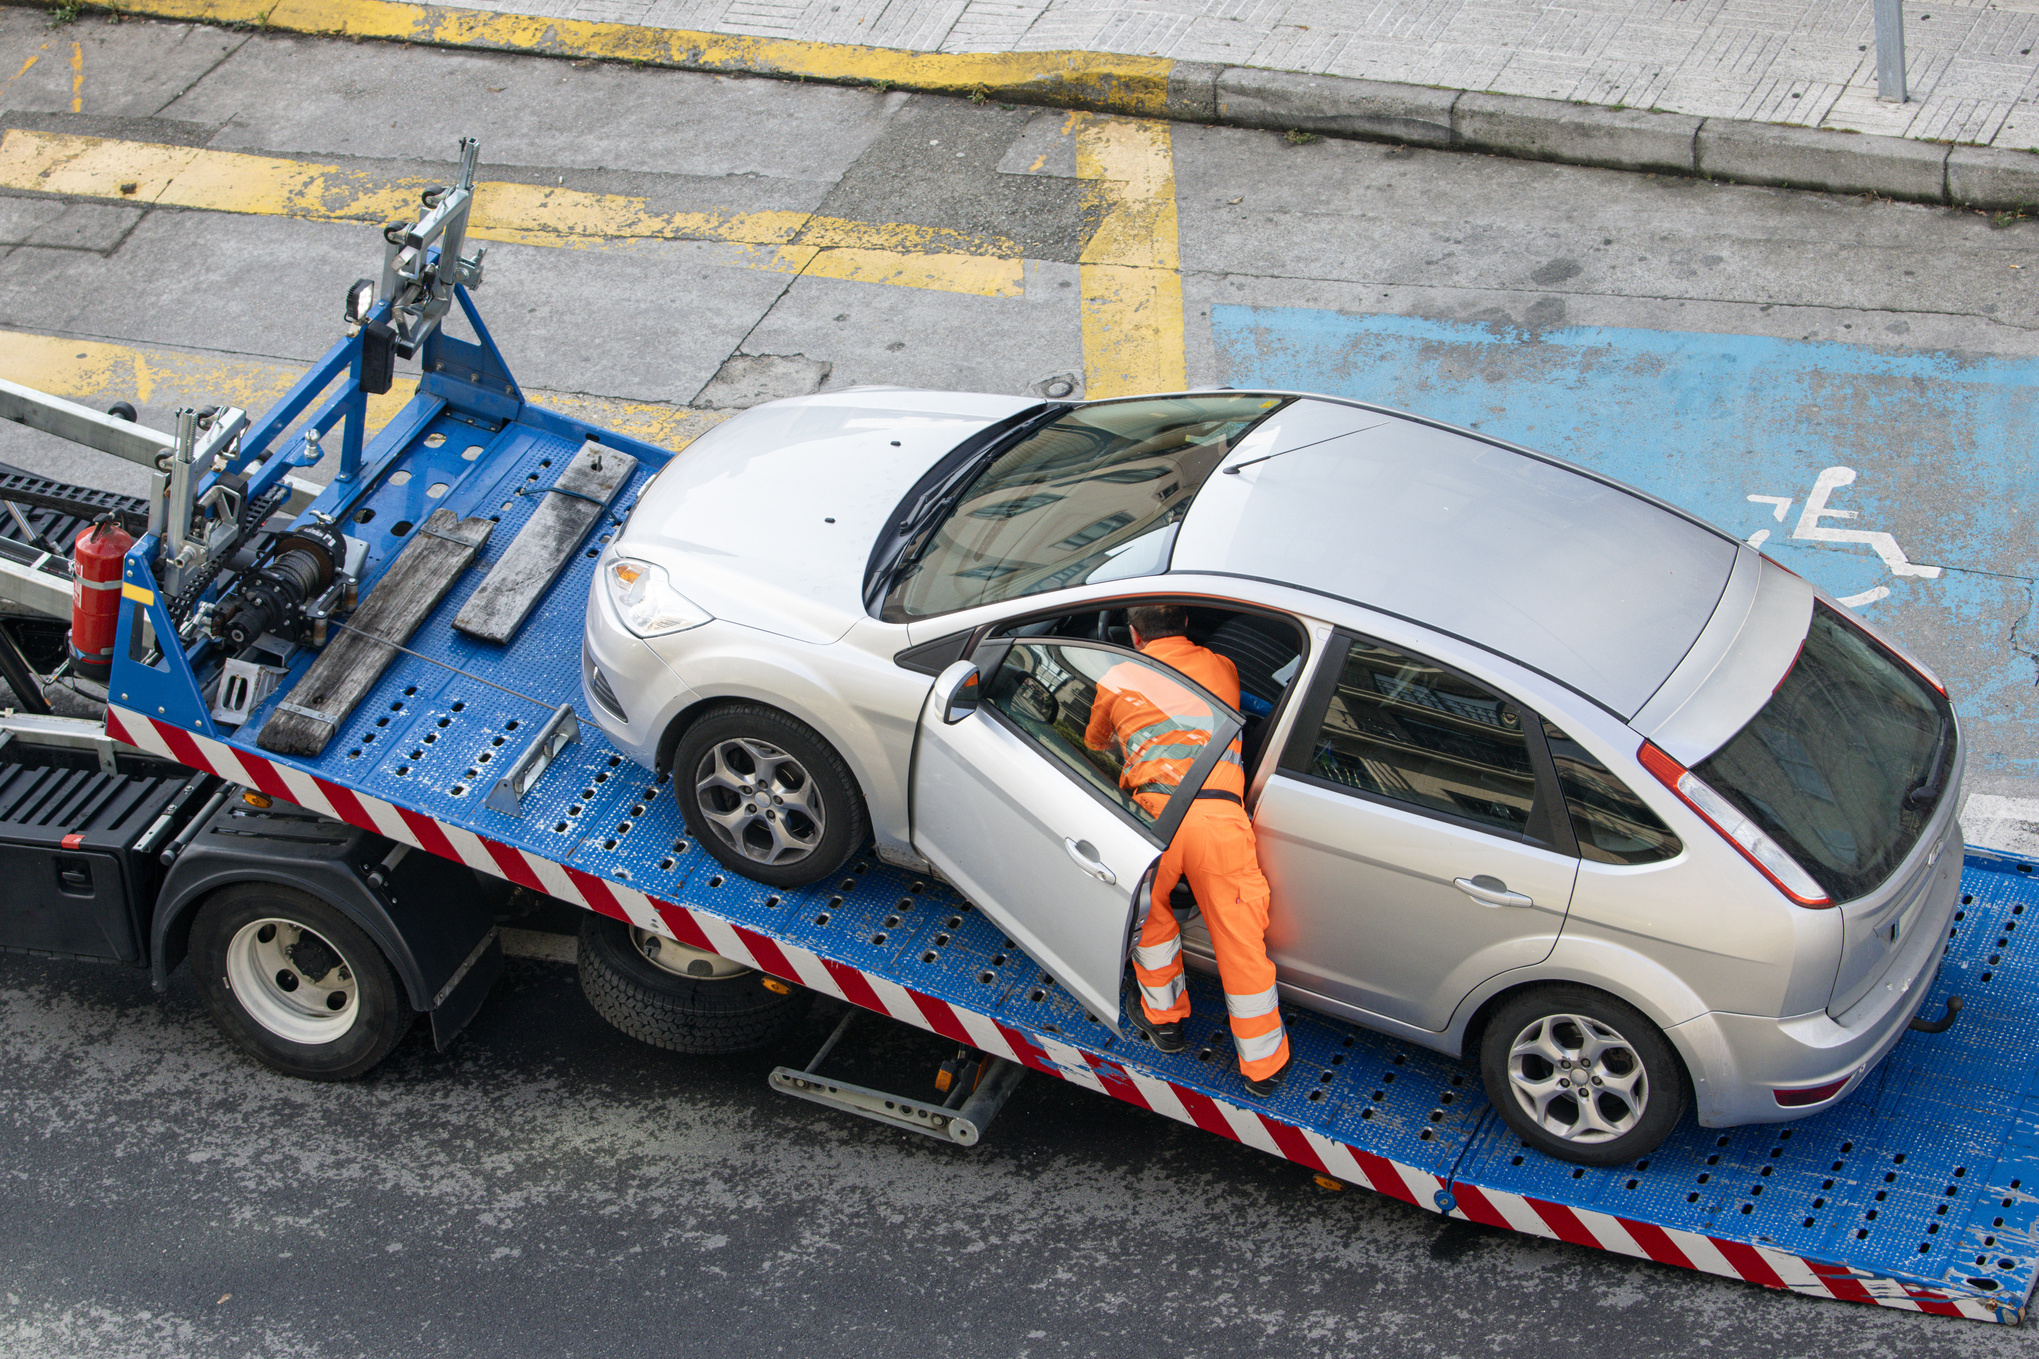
(1545,772)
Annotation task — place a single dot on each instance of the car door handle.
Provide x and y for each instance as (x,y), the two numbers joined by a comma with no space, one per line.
(1490,891)
(1086,858)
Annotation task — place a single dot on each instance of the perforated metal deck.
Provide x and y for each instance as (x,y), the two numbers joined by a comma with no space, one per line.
(1912,1192)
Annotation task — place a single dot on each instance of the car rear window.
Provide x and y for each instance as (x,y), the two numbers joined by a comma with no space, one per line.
(1846,763)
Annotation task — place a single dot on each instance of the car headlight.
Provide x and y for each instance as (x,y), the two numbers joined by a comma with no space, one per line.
(646,599)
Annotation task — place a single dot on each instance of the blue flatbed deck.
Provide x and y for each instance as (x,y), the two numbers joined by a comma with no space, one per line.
(1912,1192)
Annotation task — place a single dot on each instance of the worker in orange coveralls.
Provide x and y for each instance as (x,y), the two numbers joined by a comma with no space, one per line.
(1213,847)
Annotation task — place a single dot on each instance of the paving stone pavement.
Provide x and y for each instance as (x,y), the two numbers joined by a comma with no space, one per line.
(1973,65)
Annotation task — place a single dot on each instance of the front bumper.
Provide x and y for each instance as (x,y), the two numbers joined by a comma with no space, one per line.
(642,696)
(1739,1061)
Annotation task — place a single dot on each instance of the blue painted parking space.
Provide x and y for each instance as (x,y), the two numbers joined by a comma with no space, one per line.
(1901,482)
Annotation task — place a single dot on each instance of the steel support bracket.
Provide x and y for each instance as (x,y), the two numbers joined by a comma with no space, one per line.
(560,730)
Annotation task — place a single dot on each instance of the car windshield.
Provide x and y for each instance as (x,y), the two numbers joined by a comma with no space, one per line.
(1846,762)
(1093,495)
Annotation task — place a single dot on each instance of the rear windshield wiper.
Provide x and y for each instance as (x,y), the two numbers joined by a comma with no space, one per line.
(1929,788)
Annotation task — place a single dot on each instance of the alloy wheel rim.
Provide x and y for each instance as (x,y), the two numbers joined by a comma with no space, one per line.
(670,955)
(293,982)
(759,801)
(1577,1078)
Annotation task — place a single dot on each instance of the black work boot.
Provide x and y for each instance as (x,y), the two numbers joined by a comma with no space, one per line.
(1165,1037)
(1270,1083)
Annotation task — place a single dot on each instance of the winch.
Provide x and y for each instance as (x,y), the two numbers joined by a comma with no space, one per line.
(277,595)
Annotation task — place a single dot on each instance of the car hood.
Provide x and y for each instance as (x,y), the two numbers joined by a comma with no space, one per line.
(768,519)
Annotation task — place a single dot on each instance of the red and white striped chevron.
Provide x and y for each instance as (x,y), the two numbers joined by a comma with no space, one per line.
(1040,1052)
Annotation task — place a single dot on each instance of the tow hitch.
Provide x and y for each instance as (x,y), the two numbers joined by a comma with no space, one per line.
(1944,1022)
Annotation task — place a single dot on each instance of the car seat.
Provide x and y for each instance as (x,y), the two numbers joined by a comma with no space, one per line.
(1261,648)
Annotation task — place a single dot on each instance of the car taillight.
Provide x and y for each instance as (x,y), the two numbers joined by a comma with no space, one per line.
(1716,811)
(1817,1094)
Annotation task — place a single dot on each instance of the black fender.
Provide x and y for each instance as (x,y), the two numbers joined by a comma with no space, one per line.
(434,920)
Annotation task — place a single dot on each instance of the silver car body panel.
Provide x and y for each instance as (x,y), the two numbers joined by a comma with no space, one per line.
(1342,866)
(1583,579)
(832,468)
(1714,978)
(1738,661)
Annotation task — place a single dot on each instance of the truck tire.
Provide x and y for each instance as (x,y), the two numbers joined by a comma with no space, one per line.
(767,796)
(1544,1045)
(681,999)
(294,983)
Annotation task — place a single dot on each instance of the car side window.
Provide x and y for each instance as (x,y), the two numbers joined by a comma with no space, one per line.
(1127,727)
(1409,731)
(1612,824)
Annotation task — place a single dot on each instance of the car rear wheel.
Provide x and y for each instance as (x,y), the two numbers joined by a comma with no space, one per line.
(295,983)
(1581,1076)
(663,993)
(767,796)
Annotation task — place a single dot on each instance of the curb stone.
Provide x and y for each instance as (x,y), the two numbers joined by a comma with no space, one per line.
(1372,110)
(1577,134)
(1203,92)
(1838,162)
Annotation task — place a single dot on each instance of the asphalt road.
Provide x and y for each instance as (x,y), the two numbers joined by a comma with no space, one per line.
(551,1187)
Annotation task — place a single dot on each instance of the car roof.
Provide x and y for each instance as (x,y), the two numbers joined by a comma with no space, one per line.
(1593,583)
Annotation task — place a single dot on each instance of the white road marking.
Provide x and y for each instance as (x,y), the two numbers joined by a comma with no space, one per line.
(1811,530)
(2009,825)
(1780,505)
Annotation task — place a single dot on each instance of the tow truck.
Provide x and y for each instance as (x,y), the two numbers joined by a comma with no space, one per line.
(304,777)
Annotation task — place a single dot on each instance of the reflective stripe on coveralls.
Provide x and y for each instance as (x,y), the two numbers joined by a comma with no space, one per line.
(1158,968)
(1213,847)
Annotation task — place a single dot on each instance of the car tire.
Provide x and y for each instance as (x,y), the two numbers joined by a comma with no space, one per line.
(294,983)
(817,820)
(728,1008)
(1527,1056)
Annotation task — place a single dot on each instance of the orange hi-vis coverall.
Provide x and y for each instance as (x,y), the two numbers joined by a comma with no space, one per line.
(1213,847)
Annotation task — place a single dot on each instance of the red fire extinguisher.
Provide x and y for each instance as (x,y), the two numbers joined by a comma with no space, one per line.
(95,596)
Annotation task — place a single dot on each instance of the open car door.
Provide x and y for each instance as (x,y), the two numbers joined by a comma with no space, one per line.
(1016,807)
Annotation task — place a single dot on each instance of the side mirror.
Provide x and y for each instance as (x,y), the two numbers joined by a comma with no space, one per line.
(1032,699)
(958,691)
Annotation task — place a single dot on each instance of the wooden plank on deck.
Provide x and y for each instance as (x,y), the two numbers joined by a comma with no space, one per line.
(521,576)
(428,566)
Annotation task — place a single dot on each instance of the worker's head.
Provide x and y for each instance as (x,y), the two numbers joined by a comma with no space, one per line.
(1152,622)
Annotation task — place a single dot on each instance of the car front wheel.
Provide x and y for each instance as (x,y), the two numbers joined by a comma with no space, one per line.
(1581,1076)
(767,796)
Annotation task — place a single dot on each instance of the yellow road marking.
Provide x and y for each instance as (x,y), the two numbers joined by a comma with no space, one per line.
(1130,272)
(1123,84)
(77,77)
(530,214)
(98,373)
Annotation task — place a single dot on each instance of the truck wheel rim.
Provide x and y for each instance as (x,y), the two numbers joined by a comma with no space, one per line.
(292,982)
(759,801)
(669,955)
(1577,1078)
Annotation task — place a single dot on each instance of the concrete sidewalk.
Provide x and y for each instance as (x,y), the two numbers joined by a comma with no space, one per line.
(1973,66)
(1775,92)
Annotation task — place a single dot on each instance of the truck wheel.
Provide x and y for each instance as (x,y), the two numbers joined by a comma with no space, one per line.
(295,983)
(671,996)
(1581,1076)
(767,796)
